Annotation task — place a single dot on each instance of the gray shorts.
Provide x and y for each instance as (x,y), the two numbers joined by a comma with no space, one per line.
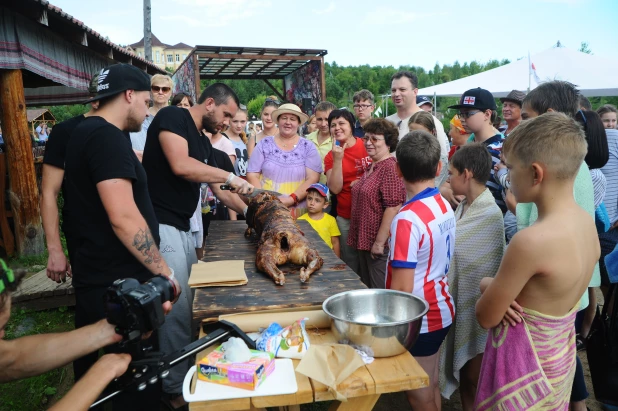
(178,250)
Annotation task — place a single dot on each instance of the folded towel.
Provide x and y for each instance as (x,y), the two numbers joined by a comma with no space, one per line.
(529,366)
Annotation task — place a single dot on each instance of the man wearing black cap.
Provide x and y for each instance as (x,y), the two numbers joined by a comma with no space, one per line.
(511,110)
(113,223)
(53,177)
(424,103)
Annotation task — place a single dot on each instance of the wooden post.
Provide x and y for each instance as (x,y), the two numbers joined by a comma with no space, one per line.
(23,190)
(323,79)
(148,32)
(198,84)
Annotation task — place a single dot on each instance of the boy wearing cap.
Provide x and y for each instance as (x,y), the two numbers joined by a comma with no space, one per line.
(422,242)
(477,112)
(424,103)
(325,224)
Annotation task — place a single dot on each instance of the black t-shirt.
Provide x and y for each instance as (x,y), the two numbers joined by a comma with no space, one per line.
(99,151)
(174,198)
(56,147)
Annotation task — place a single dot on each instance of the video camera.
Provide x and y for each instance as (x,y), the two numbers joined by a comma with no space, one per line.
(136,308)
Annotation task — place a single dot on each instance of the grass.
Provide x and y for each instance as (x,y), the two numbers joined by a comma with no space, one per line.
(37,393)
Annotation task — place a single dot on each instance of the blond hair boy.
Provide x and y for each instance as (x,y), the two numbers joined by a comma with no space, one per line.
(531,303)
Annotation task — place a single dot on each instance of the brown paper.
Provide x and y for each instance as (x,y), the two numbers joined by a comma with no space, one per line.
(330,364)
(226,273)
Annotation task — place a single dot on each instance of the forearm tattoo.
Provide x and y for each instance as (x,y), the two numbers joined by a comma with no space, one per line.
(146,245)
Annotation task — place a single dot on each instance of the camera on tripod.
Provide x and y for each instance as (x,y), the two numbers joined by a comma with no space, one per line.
(136,309)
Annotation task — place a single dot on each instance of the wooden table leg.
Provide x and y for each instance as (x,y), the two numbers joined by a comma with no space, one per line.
(364,403)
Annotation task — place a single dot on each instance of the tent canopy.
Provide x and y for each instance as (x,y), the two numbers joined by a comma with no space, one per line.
(594,76)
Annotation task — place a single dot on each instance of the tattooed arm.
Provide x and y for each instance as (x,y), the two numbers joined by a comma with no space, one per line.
(129,224)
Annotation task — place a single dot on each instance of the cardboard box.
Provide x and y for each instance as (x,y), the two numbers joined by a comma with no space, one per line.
(247,375)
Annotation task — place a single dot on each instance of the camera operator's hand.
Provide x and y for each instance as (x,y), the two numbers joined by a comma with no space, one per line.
(241,186)
(88,388)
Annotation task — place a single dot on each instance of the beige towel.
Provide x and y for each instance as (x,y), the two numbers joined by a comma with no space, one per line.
(226,273)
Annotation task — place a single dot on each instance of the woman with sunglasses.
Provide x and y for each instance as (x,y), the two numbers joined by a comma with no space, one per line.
(344,165)
(161,88)
(270,128)
(376,199)
(477,112)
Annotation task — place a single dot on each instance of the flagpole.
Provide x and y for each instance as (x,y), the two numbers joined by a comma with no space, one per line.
(529,71)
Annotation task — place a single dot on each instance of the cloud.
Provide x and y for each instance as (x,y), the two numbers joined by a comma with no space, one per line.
(218,13)
(386,15)
(327,10)
(568,2)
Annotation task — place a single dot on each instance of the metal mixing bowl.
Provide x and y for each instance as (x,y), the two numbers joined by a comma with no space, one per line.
(383,323)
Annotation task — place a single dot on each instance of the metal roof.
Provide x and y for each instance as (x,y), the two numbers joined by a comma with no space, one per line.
(219,62)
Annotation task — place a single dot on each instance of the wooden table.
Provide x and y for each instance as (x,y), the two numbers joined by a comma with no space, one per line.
(362,389)
(226,241)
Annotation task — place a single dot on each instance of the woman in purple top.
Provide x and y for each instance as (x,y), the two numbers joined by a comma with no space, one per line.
(286,163)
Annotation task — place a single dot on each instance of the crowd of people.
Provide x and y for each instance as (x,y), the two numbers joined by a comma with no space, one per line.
(495,226)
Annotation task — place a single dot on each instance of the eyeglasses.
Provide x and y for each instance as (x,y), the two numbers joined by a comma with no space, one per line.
(156,89)
(373,139)
(468,114)
(362,106)
(270,100)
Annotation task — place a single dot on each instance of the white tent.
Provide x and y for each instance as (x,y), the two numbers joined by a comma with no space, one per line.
(594,76)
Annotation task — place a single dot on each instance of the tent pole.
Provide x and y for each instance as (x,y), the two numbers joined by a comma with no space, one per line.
(529,71)
(435,104)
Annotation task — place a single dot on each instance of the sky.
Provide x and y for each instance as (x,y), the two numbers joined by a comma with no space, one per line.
(357,32)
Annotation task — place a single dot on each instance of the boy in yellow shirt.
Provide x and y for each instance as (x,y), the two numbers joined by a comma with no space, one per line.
(324,224)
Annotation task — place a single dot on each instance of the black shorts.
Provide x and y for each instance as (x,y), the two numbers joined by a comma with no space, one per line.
(429,343)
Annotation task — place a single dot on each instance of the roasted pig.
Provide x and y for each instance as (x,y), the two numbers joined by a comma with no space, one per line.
(281,239)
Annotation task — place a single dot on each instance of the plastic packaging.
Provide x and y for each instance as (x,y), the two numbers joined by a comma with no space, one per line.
(236,350)
(288,342)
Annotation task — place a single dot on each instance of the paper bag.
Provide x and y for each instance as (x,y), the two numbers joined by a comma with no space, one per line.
(226,273)
(330,364)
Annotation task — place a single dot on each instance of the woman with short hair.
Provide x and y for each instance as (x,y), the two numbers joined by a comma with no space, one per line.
(376,198)
(344,166)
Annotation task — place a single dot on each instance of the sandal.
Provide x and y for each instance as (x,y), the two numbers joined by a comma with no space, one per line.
(580,343)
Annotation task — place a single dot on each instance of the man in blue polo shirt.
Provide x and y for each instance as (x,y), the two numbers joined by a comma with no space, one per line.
(363,108)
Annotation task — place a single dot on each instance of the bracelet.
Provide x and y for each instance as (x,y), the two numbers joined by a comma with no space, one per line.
(295,198)
(244,211)
(172,273)
(230,178)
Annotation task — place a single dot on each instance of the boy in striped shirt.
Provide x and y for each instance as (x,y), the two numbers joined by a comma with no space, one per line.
(422,241)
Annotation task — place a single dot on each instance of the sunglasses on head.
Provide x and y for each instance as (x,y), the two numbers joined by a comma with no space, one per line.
(270,100)
(156,89)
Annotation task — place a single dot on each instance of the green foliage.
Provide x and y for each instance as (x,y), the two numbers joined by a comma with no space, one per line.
(584,48)
(248,89)
(62,113)
(254,106)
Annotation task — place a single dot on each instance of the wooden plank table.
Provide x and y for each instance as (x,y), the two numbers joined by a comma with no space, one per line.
(362,389)
(226,241)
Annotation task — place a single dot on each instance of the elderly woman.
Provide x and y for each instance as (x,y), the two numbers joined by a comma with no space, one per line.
(344,165)
(376,198)
(286,163)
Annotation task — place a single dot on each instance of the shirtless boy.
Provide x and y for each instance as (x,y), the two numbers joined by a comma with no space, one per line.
(547,266)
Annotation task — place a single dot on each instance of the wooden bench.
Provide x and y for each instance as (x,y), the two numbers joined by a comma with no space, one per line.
(38,292)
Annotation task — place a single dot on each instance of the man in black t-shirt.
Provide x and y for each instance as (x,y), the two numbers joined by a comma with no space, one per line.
(108,208)
(53,177)
(174,159)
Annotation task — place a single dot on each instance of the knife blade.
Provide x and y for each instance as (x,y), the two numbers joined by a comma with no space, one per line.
(256,191)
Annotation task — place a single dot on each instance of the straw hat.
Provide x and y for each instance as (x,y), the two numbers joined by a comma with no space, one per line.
(289,108)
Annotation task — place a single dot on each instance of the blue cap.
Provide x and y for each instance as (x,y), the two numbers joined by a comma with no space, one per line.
(420,100)
(320,188)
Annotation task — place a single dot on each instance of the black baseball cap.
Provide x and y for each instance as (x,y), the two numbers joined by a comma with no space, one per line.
(420,100)
(118,78)
(478,98)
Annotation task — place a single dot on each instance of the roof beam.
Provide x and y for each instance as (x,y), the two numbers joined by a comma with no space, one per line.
(256,57)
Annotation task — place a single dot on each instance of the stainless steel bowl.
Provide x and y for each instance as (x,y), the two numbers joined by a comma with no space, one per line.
(383,323)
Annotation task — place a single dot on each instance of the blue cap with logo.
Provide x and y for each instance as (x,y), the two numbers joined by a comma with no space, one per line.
(320,188)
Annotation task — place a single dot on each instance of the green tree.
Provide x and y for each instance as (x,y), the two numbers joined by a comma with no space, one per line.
(254,106)
(584,48)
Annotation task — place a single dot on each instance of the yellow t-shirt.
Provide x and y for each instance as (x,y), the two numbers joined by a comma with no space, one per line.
(326,227)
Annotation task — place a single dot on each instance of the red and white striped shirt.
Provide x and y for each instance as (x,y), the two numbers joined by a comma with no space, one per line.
(423,237)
